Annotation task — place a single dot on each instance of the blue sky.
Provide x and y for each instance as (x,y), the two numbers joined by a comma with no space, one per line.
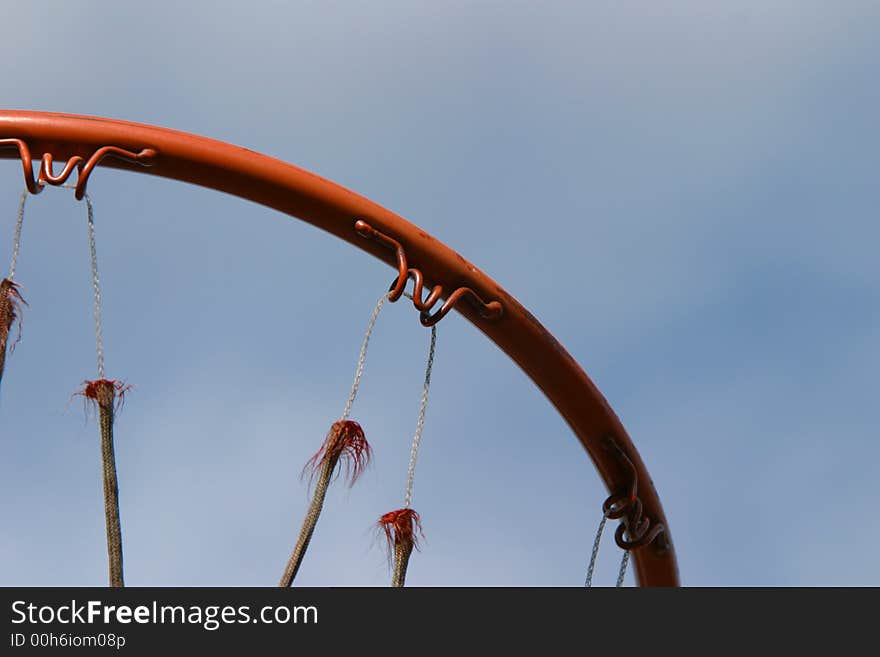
(685,195)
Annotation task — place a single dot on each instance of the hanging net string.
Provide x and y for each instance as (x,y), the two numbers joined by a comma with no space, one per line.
(345,440)
(107,395)
(595,553)
(403,526)
(11,300)
(16,241)
(623,562)
(362,357)
(96,285)
(420,425)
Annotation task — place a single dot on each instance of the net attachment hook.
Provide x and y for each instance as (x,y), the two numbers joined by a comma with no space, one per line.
(635,529)
(84,168)
(490,311)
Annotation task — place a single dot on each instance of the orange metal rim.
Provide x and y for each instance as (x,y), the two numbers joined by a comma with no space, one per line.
(335,209)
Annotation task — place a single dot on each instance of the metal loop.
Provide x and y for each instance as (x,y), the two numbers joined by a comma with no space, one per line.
(635,529)
(491,310)
(642,536)
(84,168)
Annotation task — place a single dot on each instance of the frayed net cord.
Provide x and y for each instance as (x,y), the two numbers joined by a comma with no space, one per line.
(403,526)
(345,441)
(595,553)
(420,424)
(362,356)
(11,300)
(107,396)
(96,286)
(16,241)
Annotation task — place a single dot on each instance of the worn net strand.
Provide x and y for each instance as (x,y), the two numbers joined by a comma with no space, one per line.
(623,563)
(309,524)
(595,553)
(417,438)
(104,393)
(106,407)
(11,301)
(403,526)
(402,552)
(328,466)
(362,357)
(96,284)
(16,240)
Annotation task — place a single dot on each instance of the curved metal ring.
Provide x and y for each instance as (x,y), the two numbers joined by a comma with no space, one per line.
(489,311)
(644,535)
(314,199)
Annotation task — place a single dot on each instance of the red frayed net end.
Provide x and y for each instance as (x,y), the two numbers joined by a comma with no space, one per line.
(346,441)
(401,528)
(11,302)
(104,393)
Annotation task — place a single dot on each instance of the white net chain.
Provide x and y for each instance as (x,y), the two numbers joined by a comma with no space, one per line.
(362,357)
(595,553)
(417,438)
(16,241)
(96,284)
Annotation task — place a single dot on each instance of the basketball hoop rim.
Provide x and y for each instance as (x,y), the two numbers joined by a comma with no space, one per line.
(333,208)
